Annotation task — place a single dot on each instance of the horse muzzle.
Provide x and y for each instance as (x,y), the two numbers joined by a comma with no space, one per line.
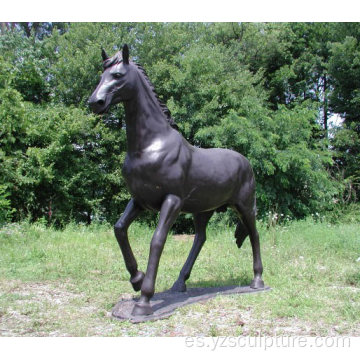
(98,105)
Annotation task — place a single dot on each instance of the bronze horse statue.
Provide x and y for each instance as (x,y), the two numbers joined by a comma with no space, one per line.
(165,173)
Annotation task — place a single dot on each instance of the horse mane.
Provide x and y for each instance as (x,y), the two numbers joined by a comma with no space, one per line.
(117,59)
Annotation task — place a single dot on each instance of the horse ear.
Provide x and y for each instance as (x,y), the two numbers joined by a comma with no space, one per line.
(125,54)
(103,54)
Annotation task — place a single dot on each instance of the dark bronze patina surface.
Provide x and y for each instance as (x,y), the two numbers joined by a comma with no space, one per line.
(165,173)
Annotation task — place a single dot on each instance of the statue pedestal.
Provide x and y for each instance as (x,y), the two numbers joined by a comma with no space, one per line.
(165,303)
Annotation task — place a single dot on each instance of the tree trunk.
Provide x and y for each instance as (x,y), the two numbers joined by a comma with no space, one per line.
(325,108)
(3,27)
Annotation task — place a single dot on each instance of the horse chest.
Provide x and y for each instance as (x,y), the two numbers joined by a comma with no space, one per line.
(141,169)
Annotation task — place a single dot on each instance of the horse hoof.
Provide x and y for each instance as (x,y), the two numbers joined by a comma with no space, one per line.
(137,280)
(179,286)
(257,283)
(142,309)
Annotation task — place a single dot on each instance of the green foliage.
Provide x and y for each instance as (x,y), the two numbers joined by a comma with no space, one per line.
(70,170)
(344,68)
(346,142)
(28,68)
(290,170)
(345,71)
(5,206)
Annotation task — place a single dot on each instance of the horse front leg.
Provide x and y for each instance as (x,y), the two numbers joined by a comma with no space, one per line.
(131,212)
(170,209)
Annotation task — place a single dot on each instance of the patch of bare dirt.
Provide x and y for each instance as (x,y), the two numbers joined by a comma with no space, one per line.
(30,307)
(183,237)
(40,292)
(50,309)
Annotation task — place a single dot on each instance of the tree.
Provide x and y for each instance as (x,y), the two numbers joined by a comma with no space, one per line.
(263,89)
(344,69)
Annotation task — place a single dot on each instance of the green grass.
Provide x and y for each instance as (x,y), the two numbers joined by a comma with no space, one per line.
(65,283)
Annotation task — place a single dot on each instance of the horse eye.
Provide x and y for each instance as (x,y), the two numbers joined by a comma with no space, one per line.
(118,75)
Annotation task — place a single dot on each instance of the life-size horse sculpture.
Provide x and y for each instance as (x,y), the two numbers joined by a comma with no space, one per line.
(165,173)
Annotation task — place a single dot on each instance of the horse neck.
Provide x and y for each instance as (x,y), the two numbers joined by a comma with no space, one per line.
(145,120)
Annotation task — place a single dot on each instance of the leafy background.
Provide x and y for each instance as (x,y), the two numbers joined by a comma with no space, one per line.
(267,90)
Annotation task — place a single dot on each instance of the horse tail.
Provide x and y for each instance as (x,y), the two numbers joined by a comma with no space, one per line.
(241,233)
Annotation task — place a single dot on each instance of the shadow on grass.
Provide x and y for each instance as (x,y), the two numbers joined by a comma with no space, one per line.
(353,278)
(209,286)
(244,280)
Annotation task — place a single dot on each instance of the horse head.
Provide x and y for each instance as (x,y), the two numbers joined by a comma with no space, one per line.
(116,83)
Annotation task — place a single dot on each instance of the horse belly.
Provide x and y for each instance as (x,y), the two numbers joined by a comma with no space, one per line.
(214,179)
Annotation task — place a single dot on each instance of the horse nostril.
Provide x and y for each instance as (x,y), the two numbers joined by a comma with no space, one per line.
(100,102)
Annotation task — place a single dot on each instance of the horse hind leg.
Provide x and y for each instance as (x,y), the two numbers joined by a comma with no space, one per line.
(200,222)
(241,233)
(247,226)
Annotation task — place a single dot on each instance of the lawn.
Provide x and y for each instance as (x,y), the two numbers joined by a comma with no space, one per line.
(65,283)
